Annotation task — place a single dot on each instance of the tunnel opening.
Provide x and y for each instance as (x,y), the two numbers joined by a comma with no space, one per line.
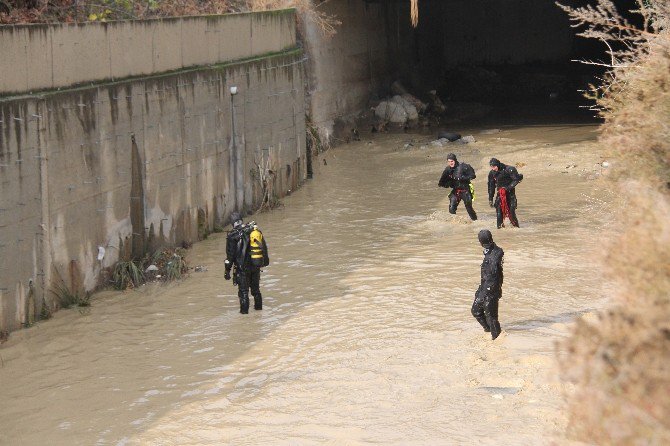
(499,61)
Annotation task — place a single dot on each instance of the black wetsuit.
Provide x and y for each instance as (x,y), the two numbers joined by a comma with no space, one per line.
(506,177)
(248,275)
(458,178)
(485,306)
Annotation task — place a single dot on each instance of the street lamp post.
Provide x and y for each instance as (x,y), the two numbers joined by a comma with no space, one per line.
(233,92)
(237,167)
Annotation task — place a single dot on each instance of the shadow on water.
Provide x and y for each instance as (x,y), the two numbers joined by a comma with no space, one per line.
(561,318)
(501,390)
(547,219)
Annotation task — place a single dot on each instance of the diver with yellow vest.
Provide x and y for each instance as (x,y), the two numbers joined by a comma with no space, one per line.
(246,254)
(458,177)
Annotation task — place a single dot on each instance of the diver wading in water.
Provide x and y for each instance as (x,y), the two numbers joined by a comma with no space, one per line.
(503,179)
(485,306)
(458,176)
(246,254)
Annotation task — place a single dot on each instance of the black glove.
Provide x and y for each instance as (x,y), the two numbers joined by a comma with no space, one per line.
(228,266)
(491,203)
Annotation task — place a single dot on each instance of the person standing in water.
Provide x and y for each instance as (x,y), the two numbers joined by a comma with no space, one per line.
(485,306)
(247,253)
(503,179)
(458,177)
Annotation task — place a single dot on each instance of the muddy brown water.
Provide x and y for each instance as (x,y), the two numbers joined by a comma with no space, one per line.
(366,336)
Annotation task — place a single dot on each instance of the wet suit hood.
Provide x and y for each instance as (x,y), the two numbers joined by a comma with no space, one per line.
(485,238)
(236,219)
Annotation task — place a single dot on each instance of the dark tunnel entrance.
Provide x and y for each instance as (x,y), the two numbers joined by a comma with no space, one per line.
(504,61)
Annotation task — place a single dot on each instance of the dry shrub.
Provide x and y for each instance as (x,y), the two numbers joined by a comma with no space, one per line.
(414,12)
(308,10)
(50,11)
(637,112)
(620,363)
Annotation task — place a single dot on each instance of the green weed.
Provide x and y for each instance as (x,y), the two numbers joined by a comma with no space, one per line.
(127,274)
(68,298)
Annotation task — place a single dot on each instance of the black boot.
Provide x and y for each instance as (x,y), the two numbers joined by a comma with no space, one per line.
(482,321)
(495,330)
(244,304)
(258,302)
(513,219)
(471,212)
(243,291)
(491,314)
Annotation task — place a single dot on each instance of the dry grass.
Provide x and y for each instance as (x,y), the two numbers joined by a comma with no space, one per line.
(620,363)
(47,11)
(51,11)
(414,12)
(308,10)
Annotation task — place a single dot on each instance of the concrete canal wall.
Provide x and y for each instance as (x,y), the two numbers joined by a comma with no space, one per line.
(346,69)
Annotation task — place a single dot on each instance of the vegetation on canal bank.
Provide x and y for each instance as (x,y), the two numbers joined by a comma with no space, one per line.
(77,11)
(164,265)
(620,363)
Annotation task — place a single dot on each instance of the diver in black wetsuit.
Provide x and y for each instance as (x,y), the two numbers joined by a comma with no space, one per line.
(504,179)
(458,176)
(485,306)
(247,252)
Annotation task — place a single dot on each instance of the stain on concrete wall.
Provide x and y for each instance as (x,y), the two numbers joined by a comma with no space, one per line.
(20,202)
(67,166)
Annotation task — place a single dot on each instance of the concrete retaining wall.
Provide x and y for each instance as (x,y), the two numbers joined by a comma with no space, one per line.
(39,57)
(347,68)
(69,181)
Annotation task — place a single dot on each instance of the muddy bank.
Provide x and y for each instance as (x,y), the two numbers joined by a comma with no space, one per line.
(366,335)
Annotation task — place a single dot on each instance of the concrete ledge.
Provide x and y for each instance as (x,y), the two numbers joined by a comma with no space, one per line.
(41,57)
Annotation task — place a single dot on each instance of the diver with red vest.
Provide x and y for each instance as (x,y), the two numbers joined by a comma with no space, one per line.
(458,177)
(246,254)
(503,179)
